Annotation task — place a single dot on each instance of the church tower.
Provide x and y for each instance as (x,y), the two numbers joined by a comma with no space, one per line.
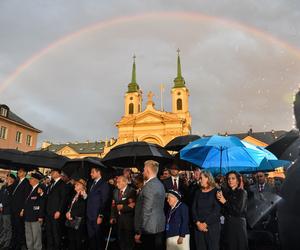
(133,96)
(180,93)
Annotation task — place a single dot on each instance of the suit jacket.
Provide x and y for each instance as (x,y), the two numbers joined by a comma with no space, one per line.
(254,189)
(149,210)
(19,195)
(98,201)
(56,198)
(178,221)
(5,198)
(34,206)
(125,217)
(168,184)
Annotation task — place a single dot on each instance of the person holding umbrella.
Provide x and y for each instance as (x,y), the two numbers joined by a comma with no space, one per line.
(206,214)
(18,199)
(33,213)
(177,224)
(234,202)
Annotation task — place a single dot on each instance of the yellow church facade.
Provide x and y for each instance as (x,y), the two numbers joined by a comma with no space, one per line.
(151,124)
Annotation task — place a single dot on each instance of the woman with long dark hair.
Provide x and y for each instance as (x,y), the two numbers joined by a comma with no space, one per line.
(206,214)
(235,207)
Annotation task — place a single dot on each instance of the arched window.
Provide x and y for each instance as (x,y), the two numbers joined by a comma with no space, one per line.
(179,104)
(130,109)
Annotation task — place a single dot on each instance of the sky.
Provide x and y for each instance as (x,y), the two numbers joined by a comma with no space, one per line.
(65,65)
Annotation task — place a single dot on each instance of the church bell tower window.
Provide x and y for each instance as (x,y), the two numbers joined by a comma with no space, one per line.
(130,109)
(179,104)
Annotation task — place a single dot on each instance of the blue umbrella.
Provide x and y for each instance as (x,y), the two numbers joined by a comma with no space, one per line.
(221,154)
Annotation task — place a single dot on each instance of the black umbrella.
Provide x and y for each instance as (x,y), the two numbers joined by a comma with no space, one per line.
(134,154)
(182,164)
(286,147)
(81,167)
(259,208)
(14,159)
(180,142)
(47,159)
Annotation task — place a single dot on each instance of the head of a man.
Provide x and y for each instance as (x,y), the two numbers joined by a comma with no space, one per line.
(21,173)
(95,173)
(10,179)
(197,174)
(55,174)
(122,182)
(150,169)
(33,181)
(261,178)
(174,170)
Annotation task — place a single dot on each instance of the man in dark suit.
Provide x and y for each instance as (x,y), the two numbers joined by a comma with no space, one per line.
(56,196)
(18,199)
(33,213)
(174,182)
(261,186)
(149,212)
(122,213)
(98,206)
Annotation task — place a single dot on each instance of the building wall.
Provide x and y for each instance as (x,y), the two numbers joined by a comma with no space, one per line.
(10,141)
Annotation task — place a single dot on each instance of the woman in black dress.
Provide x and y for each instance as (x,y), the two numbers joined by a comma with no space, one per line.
(234,202)
(76,216)
(206,214)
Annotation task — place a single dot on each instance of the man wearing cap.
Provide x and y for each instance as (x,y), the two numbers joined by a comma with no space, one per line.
(33,213)
(98,206)
(56,196)
(5,211)
(18,199)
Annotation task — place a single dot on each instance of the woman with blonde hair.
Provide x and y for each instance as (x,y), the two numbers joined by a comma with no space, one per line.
(206,214)
(76,217)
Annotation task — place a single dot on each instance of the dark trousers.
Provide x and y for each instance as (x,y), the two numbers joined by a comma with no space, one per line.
(235,233)
(126,239)
(76,238)
(208,240)
(96,235)
(53,233)
(18,232)
(153,241)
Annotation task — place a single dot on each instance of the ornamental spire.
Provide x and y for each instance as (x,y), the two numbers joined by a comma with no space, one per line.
(179,80)
(133,86)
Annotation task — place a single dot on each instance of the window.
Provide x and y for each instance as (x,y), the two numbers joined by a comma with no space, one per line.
(18,137)
(29,140)
(130,108)
(3,133)
(179,104)
(3,111)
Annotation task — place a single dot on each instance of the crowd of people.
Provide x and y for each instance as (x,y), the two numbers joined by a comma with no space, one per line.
(154,210)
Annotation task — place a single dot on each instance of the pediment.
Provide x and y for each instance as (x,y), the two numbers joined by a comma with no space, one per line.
(66,151)
(149,117)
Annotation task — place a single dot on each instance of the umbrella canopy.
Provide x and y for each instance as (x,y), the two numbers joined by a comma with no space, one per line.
(81,167)
(287,146)
(221,154)
(180,142)
(259,208)
(14,159)
(134,154)
(48,159)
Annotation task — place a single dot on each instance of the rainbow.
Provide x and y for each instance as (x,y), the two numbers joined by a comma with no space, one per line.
(189,16)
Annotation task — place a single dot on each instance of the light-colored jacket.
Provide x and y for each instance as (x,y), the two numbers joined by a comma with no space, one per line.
(149,210)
